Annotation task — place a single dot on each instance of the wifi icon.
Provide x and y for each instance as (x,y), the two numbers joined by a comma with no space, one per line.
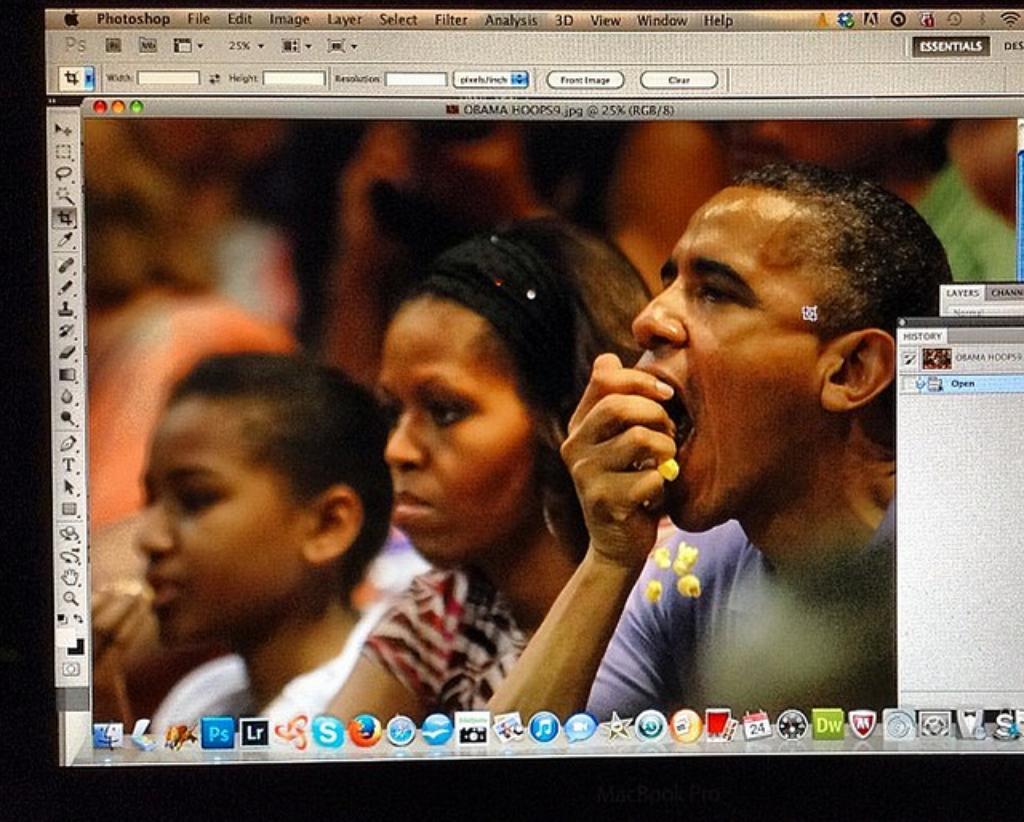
(1011,18)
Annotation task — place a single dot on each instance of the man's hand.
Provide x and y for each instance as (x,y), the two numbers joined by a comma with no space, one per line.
(618,436)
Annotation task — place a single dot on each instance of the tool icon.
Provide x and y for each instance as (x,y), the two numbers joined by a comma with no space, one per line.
(69,532)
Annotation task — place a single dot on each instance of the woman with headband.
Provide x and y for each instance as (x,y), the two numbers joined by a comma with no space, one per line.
(482,366)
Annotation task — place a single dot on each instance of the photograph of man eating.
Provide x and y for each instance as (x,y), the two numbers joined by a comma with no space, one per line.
(768,380)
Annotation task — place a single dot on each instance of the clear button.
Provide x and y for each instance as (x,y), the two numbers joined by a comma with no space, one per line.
(679,79)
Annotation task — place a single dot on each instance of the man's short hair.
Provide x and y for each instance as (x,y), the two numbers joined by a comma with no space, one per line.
(885,259)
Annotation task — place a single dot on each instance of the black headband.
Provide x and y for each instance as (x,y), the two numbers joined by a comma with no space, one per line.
(530,305)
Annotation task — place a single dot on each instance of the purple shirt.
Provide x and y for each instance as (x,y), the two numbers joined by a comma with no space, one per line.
(750,641)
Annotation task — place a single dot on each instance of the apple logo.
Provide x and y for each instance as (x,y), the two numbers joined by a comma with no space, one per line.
(71,18)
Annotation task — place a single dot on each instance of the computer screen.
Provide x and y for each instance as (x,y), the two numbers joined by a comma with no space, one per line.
(508,384)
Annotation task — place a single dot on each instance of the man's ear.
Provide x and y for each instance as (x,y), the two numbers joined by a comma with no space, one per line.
(856,368)
(337,519)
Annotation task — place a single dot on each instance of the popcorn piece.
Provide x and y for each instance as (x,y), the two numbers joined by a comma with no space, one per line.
(689,586)
(653,592)
(662,557)
(686,558)
(669,469)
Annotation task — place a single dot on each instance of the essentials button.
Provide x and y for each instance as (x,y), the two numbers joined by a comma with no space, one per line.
(585,79)
(678,79)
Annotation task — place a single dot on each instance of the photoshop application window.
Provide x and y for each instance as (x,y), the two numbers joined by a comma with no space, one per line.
(570,383)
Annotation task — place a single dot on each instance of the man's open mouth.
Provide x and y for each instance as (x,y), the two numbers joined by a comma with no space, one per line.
(677,412)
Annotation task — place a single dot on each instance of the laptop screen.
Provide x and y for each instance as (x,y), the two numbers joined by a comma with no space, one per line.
(480,383)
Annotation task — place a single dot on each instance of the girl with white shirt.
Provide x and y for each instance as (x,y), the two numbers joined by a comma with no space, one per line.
(267,496)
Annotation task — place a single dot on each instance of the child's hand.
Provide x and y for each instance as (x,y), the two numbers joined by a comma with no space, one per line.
(120,613)
(618,437)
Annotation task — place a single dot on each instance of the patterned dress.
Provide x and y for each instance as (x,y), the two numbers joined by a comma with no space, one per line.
(451,639)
